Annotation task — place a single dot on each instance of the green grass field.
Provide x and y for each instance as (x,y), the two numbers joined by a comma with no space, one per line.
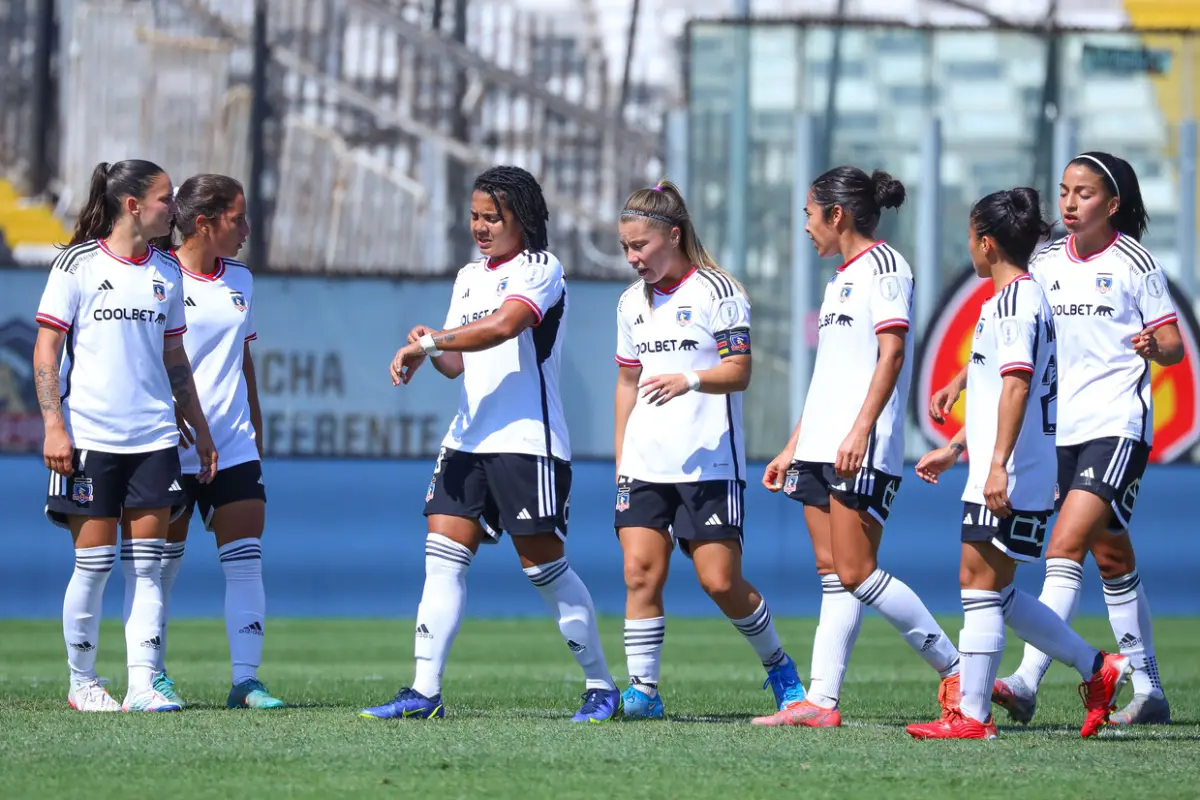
(511,688)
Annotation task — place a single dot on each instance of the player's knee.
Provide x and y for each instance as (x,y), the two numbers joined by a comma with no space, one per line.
(643,576)
(853,575)
(1113,563)
(717,584)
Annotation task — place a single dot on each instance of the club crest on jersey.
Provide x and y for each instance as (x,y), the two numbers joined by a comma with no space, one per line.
(501,286)
(81,491)
(684,316)
(1104,284)
(160,291)
(239,301)
(845,293)
(793,478)
(979,328)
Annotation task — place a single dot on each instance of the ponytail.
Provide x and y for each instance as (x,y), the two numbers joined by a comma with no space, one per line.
(110,183)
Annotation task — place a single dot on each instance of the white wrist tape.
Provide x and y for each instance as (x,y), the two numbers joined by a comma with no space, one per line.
(693,380)
(426,342)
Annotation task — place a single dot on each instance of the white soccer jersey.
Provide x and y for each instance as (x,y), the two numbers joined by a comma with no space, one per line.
(1100,304)
(1015,332)
(116,397)
(510,399)
(220,321)
(870,293)
(688,328)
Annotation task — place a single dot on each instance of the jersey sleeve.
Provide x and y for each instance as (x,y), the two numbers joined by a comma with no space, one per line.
(891,302)
(730,325)
(626,348)
(60,299)
(176,312)
(1017,331)
(251,327)
(1151,295)
(539,285)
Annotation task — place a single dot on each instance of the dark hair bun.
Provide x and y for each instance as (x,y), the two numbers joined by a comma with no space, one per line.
(889,192)
(1026,206)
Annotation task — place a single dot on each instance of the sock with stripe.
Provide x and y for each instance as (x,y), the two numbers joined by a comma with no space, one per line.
(1060,592)
(900,606)
(1129,615)
(837,630)
(141,561)
(643,651)
(981,644)
(441,610)
(245,605)
(759,630)
(82,607)
(172,560)
(1041,627)
(571,603)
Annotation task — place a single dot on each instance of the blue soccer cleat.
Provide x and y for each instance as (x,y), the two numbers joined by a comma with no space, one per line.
(785,683)
(599,705)
(636,704)
(252,694)
(408,704)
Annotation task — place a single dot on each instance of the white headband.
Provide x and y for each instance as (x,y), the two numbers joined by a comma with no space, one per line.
(1106,172)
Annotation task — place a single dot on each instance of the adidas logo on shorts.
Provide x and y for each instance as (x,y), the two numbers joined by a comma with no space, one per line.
(713,520)
(175,487)
(524,514)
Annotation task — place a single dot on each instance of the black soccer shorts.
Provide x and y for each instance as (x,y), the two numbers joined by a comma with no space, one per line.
(871,490)
(105,484)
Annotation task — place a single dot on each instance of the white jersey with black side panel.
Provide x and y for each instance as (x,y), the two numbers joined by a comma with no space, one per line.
(687,328)
(1100,303)
(870,293)
(116,396)
(510,400)
(1015,333)
(220,319)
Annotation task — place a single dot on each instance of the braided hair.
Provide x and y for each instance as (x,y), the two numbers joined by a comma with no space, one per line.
(523,194)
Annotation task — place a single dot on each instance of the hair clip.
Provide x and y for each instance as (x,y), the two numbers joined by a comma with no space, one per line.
(657,188)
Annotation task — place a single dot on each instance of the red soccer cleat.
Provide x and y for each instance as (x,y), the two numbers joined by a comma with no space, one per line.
(1100,692)
(950,695)
(953,725)
(802,715)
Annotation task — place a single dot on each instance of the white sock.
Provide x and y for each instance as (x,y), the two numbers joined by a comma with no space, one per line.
(172,560)
(837,630)
(1129,614)
(143,629)
(981,644)
(1036,623)
(441,610)
(81,609)
(1064,581)
(643,651)
(900,606)
(245,606)
(571,603)
(759,631)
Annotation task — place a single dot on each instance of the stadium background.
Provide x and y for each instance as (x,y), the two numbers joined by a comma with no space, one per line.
(357,125)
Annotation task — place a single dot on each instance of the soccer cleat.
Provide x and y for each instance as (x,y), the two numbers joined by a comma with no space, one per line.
(950,696)
(148,700)
(954,724)
(252,694)
(92,696)
(1143,709)
(599,705)
(785,683)
(1014,696)
(1099,692)
(636,704)
(166,687)
(408,704)
(802,715)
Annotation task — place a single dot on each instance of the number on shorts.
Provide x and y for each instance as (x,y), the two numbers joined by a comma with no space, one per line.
(1028,529)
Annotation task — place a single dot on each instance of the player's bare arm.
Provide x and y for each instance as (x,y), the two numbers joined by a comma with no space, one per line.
(943,400)
(508,322)
(623,403)
(1014,394)
(883,382)
(773,474)
(252,396)
(449,365)
(1162,345)
(183,388)
(57,450)
(731,375)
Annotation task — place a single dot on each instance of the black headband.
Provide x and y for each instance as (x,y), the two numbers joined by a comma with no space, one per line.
(633,212)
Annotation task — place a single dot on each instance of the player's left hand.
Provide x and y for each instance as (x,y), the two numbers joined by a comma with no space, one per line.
(995,492)
(1145,345)
(851,454)
(406,362)
(208,457)
(662,388)
(186,437)
(935,462)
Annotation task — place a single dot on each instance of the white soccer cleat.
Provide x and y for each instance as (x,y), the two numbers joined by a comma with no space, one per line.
(149,700)
(92,696)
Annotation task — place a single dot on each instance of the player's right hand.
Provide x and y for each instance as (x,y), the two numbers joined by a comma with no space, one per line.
(934,463)
(775,471)
(942,402)
(419,331)
(58,451)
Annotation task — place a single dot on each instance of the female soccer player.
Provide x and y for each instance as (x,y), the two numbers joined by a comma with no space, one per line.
(1010,486)
(109,412)
(506,458)
(211,218)
(683,356)
(1114,316)
(844,458)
